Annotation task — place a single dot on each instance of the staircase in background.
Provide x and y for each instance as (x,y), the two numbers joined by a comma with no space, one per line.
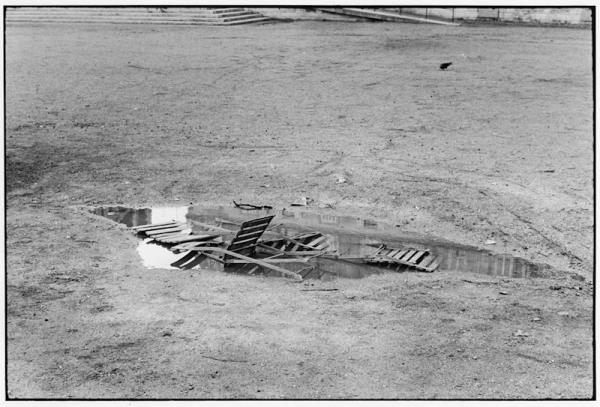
(133,15)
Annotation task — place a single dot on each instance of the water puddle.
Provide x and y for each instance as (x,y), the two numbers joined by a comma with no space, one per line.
(350,236)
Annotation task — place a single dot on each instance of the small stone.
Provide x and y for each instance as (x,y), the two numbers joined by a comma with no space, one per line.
(536,319)
(520,333)
(490,241)
(504,292)
(474,357)
(563,313)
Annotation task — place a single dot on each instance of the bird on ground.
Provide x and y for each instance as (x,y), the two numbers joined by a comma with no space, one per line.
(445,65)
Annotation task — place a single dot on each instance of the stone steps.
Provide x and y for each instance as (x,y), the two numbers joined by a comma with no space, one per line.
(132,15)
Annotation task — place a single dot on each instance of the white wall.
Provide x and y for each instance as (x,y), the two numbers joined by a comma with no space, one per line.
(526,15)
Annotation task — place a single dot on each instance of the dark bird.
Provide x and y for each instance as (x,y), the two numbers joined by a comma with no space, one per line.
(445,65)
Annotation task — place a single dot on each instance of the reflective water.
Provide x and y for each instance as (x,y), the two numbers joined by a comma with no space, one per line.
(350,236)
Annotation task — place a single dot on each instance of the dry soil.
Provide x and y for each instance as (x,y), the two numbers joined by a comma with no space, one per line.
(499,147)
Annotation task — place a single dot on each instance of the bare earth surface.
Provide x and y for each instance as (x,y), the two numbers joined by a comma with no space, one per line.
(498,147)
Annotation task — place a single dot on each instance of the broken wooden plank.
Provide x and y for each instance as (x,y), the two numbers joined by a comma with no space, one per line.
(393,252)
(297,243)
(255,222)
(191,245)
(317,241)
(250,260)
(417,256)
(163,231)
(190,238)
(401,253)
(253,270)
(426,261)
(160,230)
(170,235)
(184,259)
(269,260)
(432,267)
(250,234)
(271,249)
(378,250)
(140,228)
(408,255)
(195,261)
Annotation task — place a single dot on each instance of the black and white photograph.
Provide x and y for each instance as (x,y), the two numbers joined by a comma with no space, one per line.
(299,202)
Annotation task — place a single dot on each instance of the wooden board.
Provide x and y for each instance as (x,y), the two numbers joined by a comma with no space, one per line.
(163,231)
(400,254)
(426,261)
(194,262)
(417,256)
(184,259)
(432,266)
(250,260)
(254,222)
(189,246)
(318,240)
(150,226)
(161,236)
(190,238)
(408,255)
(393,252)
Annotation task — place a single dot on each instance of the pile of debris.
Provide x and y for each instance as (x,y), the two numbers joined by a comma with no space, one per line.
(246,251)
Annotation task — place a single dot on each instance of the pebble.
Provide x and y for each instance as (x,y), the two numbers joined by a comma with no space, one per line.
(536,319)
(520,333)
(504,292)
(563,313)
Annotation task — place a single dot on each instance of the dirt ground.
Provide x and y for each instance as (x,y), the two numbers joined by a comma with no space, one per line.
(498,147)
